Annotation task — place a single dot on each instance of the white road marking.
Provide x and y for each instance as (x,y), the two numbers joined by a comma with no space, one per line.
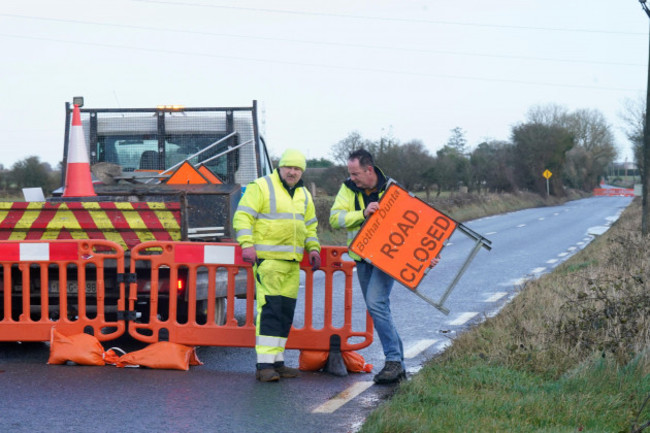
(418,348)
(597,230)
(515,283)
(537,270)
(343,397)
(550,262)
(563,254)
(572,248)
(521,225)
(541,219)
(490,233)
(462,319)
(496,296)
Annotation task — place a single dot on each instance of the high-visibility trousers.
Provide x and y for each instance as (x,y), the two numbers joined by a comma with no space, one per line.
(277,291)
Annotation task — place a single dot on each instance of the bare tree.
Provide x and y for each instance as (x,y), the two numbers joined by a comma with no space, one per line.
(635,115)
(594,147)
(353,141)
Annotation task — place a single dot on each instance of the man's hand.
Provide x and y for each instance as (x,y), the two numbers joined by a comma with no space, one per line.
(371,209)
(314,260)
(434,261)
(249,255)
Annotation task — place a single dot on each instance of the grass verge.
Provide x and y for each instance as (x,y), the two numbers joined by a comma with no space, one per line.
(569,353)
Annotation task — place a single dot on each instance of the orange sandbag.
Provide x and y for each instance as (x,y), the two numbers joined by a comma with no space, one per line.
(111,356)
(355,363)
(312,360)
(82,349)
(163,354)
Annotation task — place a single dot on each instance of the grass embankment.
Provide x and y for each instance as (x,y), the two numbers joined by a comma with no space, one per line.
(569,353)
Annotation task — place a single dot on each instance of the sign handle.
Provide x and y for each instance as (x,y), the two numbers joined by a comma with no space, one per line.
(481,242)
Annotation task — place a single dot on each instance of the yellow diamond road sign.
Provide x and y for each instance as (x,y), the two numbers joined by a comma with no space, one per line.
(547,174)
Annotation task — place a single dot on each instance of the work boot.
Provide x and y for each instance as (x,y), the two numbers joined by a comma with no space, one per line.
(391,373)
(285,371)
(267,375)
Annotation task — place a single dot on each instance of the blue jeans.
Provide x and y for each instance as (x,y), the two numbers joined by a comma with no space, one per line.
(376,287)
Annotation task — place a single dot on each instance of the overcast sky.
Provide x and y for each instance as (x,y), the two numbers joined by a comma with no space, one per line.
(320,70)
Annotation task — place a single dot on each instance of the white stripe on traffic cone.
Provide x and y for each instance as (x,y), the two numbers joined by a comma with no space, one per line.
(78,182)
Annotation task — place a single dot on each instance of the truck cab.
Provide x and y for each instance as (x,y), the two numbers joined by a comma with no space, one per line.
(226,140)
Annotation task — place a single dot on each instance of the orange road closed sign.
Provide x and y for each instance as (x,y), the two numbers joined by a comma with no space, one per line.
(403,236)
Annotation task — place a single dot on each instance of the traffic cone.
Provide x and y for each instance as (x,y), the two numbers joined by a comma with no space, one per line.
(78,182)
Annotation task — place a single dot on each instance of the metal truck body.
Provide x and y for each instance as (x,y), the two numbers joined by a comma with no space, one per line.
(135,156)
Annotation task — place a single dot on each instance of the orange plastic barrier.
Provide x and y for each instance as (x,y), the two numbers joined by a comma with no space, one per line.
(181,292)
(178,315)
(610,192)
(33,275)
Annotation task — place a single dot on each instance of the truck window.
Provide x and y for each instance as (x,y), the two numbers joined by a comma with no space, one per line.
(137,152)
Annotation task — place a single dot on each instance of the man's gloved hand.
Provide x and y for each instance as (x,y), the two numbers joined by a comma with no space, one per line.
(314,260)
(249,255)
(434,262)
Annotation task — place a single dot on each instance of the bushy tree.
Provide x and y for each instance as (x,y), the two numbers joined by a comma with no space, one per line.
(319,163)
(538,147)
(594,147)
(457,140)
(492,167)
(407,163)
(32,173)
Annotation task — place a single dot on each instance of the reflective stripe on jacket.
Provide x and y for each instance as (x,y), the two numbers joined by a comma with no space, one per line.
(279,226)
(348,207)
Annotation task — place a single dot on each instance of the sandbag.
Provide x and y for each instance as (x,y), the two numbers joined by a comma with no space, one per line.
(81,349)
(163,355)
(111,356)
(312,360)
(355,362)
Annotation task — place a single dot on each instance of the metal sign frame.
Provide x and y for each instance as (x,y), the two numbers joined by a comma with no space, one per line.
(369,229)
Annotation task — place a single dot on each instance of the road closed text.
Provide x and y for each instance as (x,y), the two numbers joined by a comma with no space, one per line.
(430,244)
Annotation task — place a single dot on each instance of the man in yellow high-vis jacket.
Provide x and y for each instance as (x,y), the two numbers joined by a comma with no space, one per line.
(356,200)
(275,223)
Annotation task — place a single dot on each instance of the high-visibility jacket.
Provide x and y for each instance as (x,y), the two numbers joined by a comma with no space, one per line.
(279,226)
(349,204)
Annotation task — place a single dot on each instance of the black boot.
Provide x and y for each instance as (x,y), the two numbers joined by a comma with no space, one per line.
(391,373)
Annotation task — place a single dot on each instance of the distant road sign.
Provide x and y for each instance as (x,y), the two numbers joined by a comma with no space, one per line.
(547,174)
(403,236)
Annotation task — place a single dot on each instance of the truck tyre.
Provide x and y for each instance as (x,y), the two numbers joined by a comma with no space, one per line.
(219,311)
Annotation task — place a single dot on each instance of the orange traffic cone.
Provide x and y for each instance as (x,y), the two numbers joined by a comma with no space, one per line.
(78,182)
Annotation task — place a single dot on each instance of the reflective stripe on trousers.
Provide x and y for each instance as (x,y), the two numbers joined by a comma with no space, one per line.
(277,290)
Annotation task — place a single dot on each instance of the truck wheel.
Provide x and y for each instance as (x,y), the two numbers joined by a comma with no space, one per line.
(219,311)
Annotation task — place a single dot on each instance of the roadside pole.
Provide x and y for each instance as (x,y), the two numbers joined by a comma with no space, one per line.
(547,174)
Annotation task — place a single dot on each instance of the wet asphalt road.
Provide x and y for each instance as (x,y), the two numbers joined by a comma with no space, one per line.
(222,394)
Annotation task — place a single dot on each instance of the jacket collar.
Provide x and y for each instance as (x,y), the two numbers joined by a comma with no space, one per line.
(285,185)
